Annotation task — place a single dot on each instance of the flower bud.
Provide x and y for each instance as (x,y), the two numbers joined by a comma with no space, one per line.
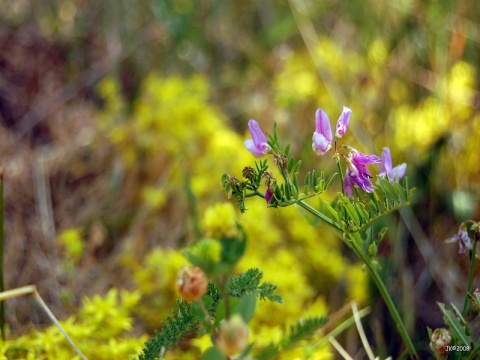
(342,123)
(280,160)
(249,173)
(439,341)
(268,177)
(233,335)
(269,195)
(192,283)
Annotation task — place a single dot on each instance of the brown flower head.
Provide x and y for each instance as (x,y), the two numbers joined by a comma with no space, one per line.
(192,283)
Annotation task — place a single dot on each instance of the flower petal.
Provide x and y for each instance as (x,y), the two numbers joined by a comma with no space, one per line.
(257,152)
(257,135)
(342,123)
(322,125)
(320,144)
(386,165)
(258,146)
(348,185)
(397,172)
(361,159)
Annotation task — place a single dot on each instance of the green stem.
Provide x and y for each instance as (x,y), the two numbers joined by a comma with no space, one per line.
(208,319)
(320,215)
(340,171)
(474,353)
(376,277)
(470,274)
(2,281)
(386,297)
(226,297)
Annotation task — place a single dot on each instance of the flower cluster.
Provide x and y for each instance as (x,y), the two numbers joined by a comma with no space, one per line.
(357,172)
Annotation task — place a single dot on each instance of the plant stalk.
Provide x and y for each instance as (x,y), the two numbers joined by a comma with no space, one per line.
(340,171)
(320,215)
(2,280)
(376,277)
(386,297)
(470,274)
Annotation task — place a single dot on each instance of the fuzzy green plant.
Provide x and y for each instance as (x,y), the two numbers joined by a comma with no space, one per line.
(224,305)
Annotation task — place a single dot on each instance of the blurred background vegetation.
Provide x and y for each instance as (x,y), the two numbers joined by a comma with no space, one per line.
(119,117)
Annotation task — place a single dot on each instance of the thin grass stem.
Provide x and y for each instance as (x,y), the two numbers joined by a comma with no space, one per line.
(470,273)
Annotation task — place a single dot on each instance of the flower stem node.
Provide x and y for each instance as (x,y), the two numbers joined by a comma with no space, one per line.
(439,341)
(233,335)
(192,283)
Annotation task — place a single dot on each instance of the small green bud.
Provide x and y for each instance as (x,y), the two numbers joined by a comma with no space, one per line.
(377,265)
(306,190)
(372,249)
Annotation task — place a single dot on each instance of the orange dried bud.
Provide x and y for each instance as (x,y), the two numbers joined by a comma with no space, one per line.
(192,283)
(233,335)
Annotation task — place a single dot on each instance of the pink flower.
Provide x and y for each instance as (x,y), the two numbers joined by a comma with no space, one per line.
(394,174)
(342,123)
(358,173)
(258,146)
(322,137)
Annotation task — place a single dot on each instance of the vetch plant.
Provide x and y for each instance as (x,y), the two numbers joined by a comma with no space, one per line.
(362,201)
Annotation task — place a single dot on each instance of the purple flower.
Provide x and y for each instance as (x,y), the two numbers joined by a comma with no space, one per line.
(357,171)
(342,123)
(258,146)
(322,137)
(395,173)
(269,195)
(463,239)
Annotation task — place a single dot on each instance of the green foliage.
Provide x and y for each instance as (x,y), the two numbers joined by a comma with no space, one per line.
(249,283)
(174,329)
(361,211)
(459,328)
(301,330)
(189,319)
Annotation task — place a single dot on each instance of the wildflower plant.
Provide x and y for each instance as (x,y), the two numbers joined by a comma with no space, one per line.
(354,211)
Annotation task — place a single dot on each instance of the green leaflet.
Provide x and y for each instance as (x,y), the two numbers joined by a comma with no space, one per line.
(332,214)
(458,330)
(349,208)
